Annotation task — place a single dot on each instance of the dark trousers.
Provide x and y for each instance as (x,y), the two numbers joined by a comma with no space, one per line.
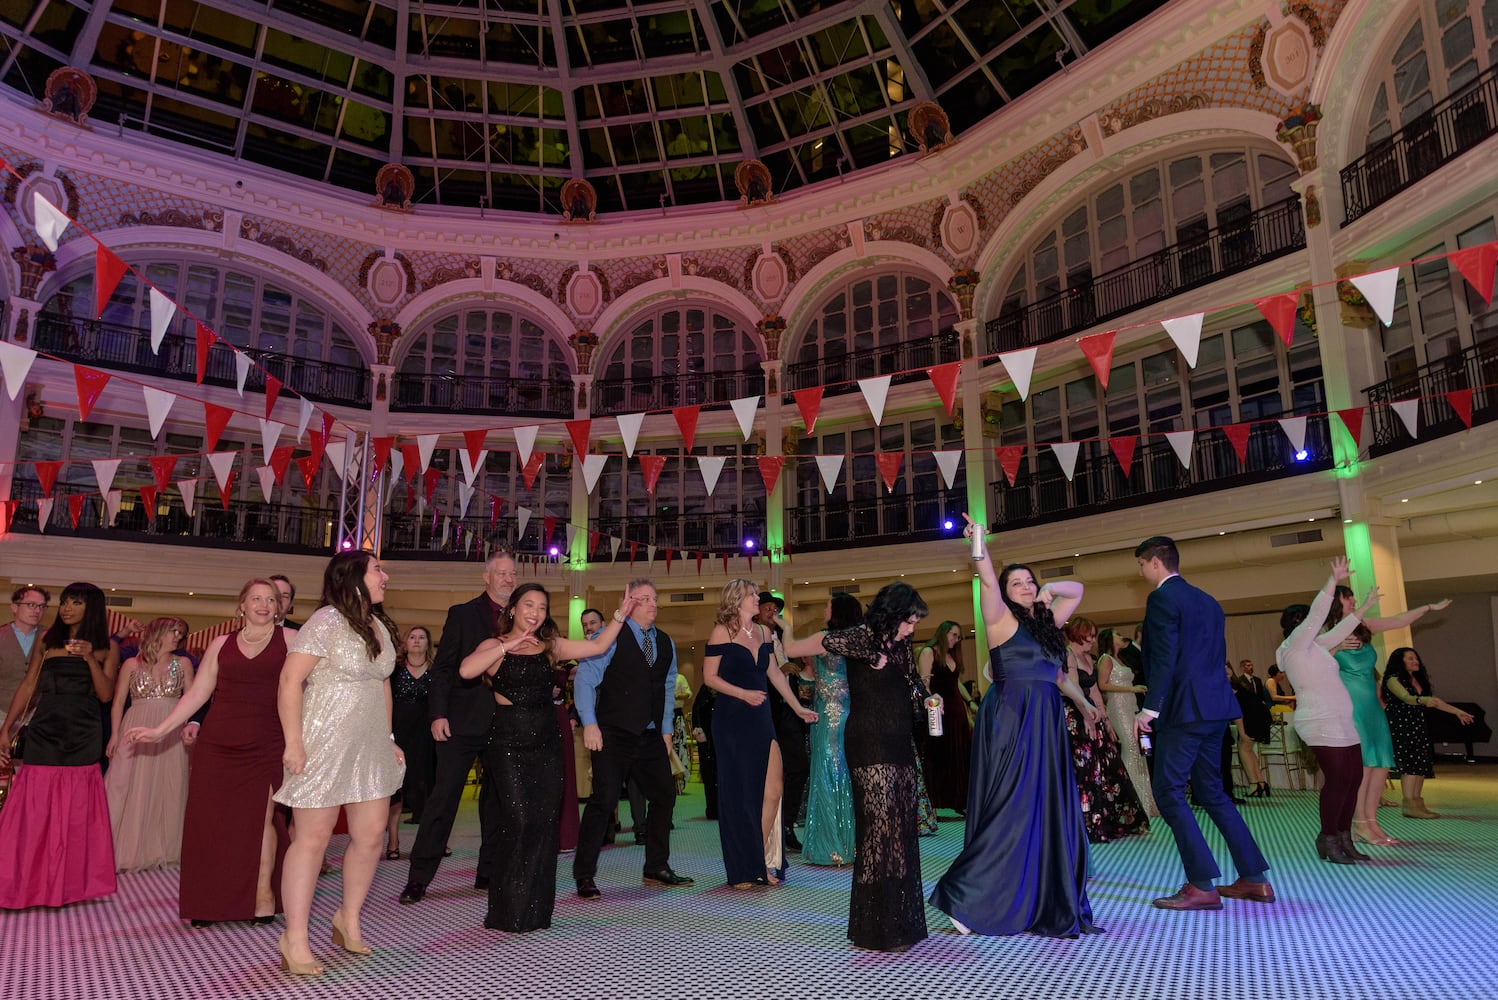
(1193,751)
(707,767)
(1341,775)
(625,755)
(455,757)
(637,806)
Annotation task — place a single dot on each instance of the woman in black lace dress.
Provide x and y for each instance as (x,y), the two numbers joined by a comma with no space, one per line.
(411,725)
(518,666)
(886,911)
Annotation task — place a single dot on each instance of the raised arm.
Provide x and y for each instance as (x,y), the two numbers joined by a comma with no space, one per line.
(581,649)
(998,623)
(793,647)
(781,683)
(194,698)
(1304,634)
(1405,618)
(1062,597)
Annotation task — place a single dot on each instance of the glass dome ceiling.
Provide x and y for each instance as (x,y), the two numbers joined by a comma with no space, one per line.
(498,103)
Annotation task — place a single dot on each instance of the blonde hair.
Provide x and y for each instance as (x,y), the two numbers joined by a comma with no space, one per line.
(154,637)
(734,592)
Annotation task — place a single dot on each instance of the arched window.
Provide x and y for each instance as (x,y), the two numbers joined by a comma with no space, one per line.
(679,356)
(1443,50)
(485,358)
(890,322)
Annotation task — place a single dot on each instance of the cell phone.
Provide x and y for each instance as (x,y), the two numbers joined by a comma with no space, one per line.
(1146,743)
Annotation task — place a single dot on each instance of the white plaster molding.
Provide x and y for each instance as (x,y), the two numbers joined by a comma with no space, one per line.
(477,291)
(616,314)
(809,288)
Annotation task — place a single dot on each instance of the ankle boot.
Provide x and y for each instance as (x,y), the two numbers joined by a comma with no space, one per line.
(1429,813)
(1344,839)
(1329,848)
(1414,808)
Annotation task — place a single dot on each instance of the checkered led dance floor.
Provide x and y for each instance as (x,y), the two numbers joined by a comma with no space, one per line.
(1418,923)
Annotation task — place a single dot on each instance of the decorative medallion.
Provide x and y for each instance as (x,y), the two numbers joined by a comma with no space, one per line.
(930,127)
(394,187)
(754,182)
(70,94)
(959,229)
(579,201)
(585,294)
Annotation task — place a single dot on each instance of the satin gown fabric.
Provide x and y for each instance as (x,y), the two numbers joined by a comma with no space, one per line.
(828,839)
(1023,865)
(1359,671)
(742,734)
(147,782)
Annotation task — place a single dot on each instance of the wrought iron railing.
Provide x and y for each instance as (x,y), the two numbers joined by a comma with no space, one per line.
(1270,232)
(465,394)
(1475,368)
(710,389)
(882,520)
(696,531)
(128,348)
(1422,147)
(908,360)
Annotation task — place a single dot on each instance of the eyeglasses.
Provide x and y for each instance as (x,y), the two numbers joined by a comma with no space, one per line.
(33,605)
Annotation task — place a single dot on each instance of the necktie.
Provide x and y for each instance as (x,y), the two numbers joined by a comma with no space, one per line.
(648,645)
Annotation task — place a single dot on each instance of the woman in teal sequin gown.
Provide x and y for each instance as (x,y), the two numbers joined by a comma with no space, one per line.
(828,839)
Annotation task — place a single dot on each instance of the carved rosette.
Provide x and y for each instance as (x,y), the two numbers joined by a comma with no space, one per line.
(772,329)
(584,342)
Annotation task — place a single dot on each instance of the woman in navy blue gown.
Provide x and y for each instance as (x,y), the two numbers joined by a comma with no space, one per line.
(738,663)
(1023,865)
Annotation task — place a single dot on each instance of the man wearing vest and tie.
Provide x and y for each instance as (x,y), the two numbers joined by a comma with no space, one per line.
(624,699)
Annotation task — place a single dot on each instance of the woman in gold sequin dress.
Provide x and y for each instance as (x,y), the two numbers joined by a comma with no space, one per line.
(334,703)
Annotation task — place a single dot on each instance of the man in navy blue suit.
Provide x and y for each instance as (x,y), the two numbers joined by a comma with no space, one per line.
(1189,704)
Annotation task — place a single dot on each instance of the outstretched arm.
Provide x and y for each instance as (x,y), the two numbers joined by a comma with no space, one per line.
(581,649)
(1406,618)
(998,623)
(810,646)
(194,698)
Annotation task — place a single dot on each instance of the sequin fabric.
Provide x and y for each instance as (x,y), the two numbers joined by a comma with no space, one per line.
(144,685)
(345,728)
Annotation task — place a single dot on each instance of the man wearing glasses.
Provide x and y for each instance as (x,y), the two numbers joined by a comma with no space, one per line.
(16,640)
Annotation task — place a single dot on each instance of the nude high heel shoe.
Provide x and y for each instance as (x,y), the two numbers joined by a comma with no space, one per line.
(296,968)
(342,940)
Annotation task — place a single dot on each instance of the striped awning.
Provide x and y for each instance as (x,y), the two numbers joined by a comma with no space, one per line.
(198,641)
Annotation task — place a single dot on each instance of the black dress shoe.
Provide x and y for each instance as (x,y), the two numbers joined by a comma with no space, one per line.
(412,893)
(481,882)
(586,889)
(667,878)
(639,839)
(791,843)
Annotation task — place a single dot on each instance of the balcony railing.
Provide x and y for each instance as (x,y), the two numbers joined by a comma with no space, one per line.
(412,535)
(711,389)
(1422,147)
(882,520)
(1270,232)
(128,348)
(1475,368)
(464,394)
(840,372)
(690,532)
(1044,494)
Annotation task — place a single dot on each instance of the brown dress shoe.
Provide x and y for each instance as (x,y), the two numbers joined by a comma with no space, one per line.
(1189,897)
(1255,892)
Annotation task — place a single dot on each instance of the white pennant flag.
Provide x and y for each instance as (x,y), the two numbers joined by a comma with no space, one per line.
(302,418)
(711,467)
(1295,430)
(447,528)
(270,433)
(522,518)
(112,505)
(1066,454)
(467,543)
(465,494)
(15,363)
(875,390)
(744,410)
(50,222)
(162,311)
(1180,443)
(649,554)
(397,463)
(242,365)
(222,463)
(629,426)
(1186,331)
(614,547)
(1409,413)
(471,469)
(593,468)
(158,405)
(267,477)
(104,470)
(525,440)
(1020,365)
(1380,289)
(44,513)
(571,534)
(424,445)
(830,466)
(189,490)
(337,452)
(947,461)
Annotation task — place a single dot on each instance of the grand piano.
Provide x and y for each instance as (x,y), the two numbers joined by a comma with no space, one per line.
(1447,728)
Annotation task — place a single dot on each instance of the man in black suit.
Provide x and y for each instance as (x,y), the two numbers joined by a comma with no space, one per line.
(625,699)
(461,712)
(1188,705)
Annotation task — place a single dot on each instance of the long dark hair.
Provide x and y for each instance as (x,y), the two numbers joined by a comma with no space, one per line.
(895,604)
(546,633)
(938,644)
(343,590)
(93,627)
(1336,614)
(847,611)
(1037,619)
(1396,670)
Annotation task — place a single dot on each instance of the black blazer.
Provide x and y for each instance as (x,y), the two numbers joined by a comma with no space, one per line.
(468,706)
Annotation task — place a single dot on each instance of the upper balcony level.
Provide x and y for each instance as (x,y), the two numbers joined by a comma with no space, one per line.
(1474,369)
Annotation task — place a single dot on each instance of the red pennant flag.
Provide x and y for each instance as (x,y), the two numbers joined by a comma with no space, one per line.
(1123,451)
(651,466)
(579,430)
(1009,459)
(1237,435)
(668,560)
(327,425)
(495,503)
(90,384)
(1477,265)
(473,441)
(317,443)
(411,461)
(1352,419)
(1461,402)
(75,508)
(108,270)
(593,537)
(215,419)
(307,466)
(227,492)
(382,446)
(162,467)
(431,478)
(769,470)
(725,562)
(889,467)
(205,338)
(944,377)
(1279,310)
(280,458)
(46,475)
(809,401)
(7,507)
(532,466)
(148,501)
(1098,349)
(272,393)
(634,547)
(750,556)
(549,525)
(699,563)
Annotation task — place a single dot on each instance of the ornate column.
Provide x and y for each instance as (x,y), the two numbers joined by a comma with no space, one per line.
(583,342)
(777,442)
